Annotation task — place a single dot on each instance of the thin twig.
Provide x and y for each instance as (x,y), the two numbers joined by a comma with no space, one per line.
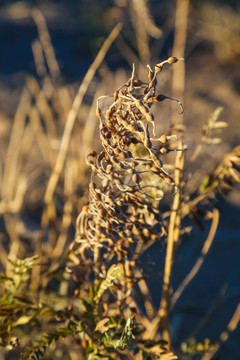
(225,334)
(150,310)
(210,313)
(200,260)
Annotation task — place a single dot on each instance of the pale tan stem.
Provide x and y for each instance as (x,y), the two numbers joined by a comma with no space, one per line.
(178,83)
(180,36)
(162,317)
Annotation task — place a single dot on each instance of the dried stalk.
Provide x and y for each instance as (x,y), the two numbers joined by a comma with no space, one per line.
(180,36)
(162,318)
(11,163)
(178,83)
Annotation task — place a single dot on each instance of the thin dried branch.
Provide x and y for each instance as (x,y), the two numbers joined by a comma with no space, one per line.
(199,262)
(225,334)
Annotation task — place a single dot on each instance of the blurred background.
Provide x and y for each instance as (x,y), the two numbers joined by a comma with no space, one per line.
(46,49)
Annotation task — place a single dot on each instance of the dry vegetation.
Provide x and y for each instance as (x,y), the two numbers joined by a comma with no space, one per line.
(73,237)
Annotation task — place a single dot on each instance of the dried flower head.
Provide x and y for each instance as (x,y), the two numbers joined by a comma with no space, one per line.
(128,174)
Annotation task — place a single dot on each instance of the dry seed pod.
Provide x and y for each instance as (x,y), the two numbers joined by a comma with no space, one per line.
(160,97)
(138,83)
(93,154)
(144,110)
(154,169)
(164,150)
(101,156)
(156,160)
(168,179)
(109,113)
(116,95)
(158,67)
(172,60)
(118,181)
(109,169)
(146,232)
(163,139)
(130,171)
(150,75)
(136,178)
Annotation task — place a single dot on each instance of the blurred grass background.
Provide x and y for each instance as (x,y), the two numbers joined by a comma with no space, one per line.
(46,50)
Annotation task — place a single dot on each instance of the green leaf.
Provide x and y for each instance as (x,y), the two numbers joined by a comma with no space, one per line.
(88,306)
(112,273)
(91,293)
(4,277)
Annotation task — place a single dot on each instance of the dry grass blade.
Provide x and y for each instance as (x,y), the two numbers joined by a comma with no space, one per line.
(73,113)
(144,26)
(46,43)
(40,96)
(11,163)
(37,51)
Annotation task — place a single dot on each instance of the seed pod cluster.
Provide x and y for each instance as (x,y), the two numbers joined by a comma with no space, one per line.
(123,199)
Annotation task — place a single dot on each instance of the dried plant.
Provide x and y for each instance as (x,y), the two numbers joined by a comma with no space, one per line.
(128,175)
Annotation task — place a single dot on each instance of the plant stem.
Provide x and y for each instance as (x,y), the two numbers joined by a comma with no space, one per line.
(161,320)
(172,239)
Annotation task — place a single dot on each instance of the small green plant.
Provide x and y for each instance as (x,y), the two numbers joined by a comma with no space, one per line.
(194,349)
(15,308)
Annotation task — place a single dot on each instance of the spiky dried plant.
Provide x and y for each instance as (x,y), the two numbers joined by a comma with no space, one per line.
(128,175)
